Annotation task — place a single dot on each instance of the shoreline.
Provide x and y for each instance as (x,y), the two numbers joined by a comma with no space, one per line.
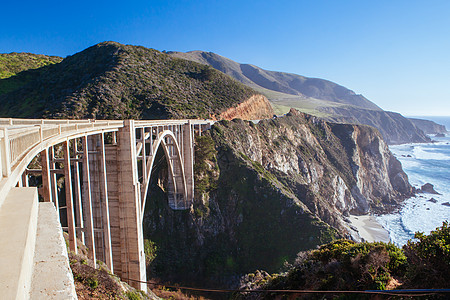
(369,229)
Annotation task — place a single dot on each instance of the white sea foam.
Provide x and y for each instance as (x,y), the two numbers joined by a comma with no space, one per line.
(420,152)
(423,163)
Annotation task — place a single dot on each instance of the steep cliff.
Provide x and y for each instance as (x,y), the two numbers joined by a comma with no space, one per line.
(255,108)
(429,127)
(266,191)
(394,128)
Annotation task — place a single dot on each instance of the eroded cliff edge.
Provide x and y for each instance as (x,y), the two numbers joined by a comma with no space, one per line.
(254,108)
(266,191)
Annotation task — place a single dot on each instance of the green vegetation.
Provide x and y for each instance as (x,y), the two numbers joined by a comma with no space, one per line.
(134,295)
(205,169)
(346,265)
(13,63)
(114,81)
(314,96)
(150,251)
(372,262)
(429,258)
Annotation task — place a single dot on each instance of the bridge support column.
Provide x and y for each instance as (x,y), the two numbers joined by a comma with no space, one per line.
(188,160)
(131,233)
(46,176)
(87,198)
(100,201)
(69,199)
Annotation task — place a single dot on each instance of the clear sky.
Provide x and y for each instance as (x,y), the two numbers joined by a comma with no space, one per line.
(396,53)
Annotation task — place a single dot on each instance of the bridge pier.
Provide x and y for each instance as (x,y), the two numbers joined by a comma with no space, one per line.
(131,233)
(187,147)
(100,199)
(87,202)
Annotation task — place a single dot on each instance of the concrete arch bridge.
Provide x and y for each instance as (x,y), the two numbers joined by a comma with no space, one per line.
(103,169)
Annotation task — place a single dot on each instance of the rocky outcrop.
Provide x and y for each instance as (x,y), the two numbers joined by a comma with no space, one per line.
(255,108)
(429,127)
(428,188)
(394,128)
(266,191)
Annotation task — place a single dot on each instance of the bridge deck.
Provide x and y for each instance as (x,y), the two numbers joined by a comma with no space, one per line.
(89,197)
(18,222)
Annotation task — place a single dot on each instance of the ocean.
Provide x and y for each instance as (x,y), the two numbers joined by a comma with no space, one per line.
(423,163)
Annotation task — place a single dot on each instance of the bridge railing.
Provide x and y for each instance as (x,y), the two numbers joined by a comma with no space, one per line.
(17,136)
(146,123)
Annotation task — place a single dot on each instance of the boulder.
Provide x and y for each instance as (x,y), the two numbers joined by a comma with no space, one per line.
(428,188)
(432,200)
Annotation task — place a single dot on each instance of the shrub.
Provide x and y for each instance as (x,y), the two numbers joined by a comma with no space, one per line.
(133,295)
(429,258)
(345,265)
(92,282)
(150,251)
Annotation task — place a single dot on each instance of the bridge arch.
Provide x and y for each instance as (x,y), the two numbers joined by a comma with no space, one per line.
(106,166)
(177,180)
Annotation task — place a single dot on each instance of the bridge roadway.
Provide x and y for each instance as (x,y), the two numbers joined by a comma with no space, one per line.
(97,174)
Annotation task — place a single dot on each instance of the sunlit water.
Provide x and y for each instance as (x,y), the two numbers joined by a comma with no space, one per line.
(423,163)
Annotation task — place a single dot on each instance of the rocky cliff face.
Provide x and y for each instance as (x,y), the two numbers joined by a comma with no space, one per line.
(266,191)
(394,128)
(429,127)
(255,108)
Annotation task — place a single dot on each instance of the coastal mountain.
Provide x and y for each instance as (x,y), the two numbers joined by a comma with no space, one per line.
(266,191)
(114,81)
(285,83)
(315,96)
(429,127)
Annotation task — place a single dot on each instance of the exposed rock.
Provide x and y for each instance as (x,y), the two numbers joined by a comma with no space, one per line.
(394,128)
(270,190)
(429,127)
(439,135)
(255,108)
(446,203)
(432,200)
(428,188)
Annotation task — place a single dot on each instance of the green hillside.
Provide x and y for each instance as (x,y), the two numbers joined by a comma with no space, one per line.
(284,84)
(13,63)
(114,81)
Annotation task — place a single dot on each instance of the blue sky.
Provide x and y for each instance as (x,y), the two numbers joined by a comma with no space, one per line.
(396,53)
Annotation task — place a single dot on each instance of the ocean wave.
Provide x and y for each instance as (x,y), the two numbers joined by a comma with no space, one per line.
(426,163)
(429,154)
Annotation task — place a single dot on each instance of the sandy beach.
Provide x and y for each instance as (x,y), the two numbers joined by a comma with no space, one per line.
(369,229)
